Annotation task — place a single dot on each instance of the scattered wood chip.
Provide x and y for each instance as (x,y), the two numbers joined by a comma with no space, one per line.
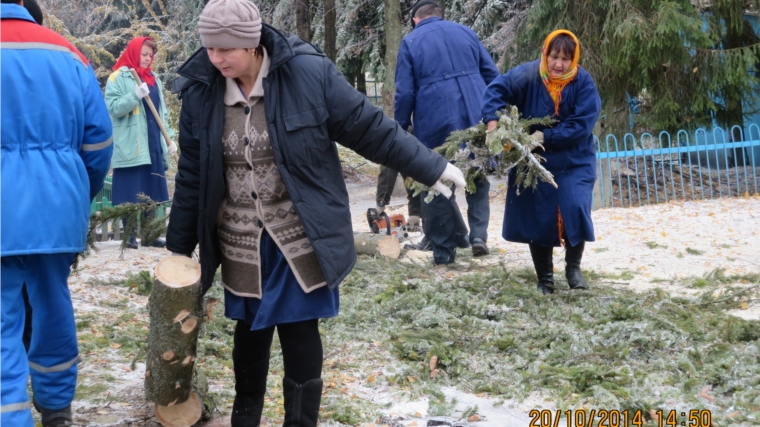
(181,316)
(115,345)
(473,418)
(210,303)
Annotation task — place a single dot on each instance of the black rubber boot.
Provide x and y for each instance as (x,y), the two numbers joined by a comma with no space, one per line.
(158,243)
(301,402)
(573,257)
(55,418)
(250,387)
(542,262)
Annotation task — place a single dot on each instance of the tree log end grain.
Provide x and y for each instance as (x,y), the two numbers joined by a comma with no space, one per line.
(377,244)
(178,271)
(180,415)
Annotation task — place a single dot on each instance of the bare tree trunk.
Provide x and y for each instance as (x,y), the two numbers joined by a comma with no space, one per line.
(392,42)
(303,19)
(330,32)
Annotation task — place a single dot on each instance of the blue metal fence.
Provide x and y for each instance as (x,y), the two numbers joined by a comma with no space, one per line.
(692,166)
(373,91)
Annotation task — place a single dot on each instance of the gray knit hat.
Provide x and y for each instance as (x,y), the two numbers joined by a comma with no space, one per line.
(230,24)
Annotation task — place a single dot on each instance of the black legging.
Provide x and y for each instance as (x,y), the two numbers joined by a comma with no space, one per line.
(301,348)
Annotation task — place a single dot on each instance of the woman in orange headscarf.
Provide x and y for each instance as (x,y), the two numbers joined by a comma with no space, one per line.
(555,86)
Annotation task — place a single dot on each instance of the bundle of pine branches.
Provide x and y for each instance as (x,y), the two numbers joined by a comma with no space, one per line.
(140,218)
(511,147)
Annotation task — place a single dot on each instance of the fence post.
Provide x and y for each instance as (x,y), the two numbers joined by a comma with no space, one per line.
(602,179)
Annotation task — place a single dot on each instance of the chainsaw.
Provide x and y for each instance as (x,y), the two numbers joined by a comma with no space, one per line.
(394,225)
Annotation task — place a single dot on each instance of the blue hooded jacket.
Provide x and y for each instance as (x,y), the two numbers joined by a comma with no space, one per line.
(441,74)
(56,139)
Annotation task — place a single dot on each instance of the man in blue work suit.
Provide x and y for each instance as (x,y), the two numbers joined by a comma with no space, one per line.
(441,74)
(56,151)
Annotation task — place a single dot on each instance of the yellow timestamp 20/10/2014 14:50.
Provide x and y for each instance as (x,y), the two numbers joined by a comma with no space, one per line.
(617,418)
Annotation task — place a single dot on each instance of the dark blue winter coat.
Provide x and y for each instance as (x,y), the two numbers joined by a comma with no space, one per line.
(441,74)
(570,156)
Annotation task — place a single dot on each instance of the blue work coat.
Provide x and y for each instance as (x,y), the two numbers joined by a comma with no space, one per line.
(56,139)
(441,74)
(570,156)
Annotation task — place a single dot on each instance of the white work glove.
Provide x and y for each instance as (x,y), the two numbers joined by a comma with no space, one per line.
(171,148)
(142,90)
(414,223)
(537,140)
(453,174)
(489,136)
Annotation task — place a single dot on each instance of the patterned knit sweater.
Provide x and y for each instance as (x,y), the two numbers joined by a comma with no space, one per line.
(257,200)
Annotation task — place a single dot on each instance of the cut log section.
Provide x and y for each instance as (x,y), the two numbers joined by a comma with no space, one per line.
(176,313)
(181,415)
(377,244)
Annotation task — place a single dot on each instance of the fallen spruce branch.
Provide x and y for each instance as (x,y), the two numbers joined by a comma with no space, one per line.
(511,147)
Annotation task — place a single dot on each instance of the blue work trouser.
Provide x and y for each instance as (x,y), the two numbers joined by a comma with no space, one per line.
(442,223)
(53,353)
(444,226)
(479,210)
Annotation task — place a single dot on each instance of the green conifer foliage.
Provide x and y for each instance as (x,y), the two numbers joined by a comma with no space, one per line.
(688,61)
(510,147)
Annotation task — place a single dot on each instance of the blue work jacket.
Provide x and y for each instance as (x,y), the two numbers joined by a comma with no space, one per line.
(441,74)
(570,156)
(56,139)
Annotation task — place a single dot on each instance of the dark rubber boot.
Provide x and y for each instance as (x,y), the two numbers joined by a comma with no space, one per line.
(573,257)
(301,402)
(542,262)
(55,418)
(250,387)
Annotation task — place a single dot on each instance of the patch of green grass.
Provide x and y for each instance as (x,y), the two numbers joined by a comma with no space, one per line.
(726,246)
(655,245)
(90,391)
(601,249)
(679,255)
(693,251)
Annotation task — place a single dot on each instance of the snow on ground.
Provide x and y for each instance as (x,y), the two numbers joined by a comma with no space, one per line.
(653,246)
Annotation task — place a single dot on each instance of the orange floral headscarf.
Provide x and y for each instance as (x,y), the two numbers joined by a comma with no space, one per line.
(555,84)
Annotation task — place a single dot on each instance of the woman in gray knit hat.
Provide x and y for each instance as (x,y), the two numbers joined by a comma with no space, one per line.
(260,189)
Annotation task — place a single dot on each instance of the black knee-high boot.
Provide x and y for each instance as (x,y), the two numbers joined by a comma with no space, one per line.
(542,262)
(301,402)
(573,255)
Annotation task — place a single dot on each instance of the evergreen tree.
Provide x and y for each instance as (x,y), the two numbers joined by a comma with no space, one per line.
(689,64)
